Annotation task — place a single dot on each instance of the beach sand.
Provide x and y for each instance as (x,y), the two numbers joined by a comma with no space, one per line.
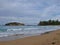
(48,38)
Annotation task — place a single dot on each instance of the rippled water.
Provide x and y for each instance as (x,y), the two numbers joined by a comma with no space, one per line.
(26,30)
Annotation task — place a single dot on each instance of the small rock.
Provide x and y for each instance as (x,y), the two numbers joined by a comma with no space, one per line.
(53,43)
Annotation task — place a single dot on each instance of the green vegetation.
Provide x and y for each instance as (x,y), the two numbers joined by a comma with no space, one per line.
(49,22)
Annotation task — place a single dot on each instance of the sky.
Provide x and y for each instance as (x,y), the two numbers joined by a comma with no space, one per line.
(29,11)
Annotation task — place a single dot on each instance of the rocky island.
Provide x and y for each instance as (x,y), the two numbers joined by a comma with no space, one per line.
(14,24)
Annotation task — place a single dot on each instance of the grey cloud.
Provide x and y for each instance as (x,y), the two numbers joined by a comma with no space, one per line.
(30,10)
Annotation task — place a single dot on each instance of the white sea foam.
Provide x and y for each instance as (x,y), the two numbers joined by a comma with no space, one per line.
(20,29)
(14,29)
(27,30)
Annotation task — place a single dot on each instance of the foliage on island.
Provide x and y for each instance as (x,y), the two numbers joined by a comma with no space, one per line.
(14,24)
(49,22)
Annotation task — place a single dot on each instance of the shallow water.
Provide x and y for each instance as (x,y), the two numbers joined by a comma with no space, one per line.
(26,30)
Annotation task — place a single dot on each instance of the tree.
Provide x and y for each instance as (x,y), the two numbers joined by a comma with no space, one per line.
(49,22)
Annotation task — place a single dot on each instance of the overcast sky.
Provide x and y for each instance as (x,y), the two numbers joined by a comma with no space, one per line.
(29,11)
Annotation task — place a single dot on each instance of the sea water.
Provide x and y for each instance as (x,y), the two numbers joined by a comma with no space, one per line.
(25,30)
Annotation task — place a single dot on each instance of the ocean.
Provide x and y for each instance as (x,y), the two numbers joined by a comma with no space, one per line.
(25,30)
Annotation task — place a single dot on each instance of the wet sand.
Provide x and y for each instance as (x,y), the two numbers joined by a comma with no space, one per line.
(48,38)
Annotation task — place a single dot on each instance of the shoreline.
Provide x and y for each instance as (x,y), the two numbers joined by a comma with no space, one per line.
(21,36)
(47,38)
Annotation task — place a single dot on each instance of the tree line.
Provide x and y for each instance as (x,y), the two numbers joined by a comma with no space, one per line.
(49,22)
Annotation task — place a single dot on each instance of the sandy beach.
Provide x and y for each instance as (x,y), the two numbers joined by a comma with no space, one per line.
(48,38)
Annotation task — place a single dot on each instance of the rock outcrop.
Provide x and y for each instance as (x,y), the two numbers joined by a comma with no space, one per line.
(14,24)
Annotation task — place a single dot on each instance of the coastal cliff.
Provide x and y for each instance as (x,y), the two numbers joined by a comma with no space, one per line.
(14,24)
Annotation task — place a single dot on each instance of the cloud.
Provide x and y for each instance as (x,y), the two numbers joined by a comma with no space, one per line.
(57,17)
(29,11)
(20,19)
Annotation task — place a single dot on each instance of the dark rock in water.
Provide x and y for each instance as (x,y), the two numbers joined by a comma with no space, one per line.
(14,24)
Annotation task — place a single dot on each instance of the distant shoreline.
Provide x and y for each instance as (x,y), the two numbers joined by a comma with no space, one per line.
(49,22)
